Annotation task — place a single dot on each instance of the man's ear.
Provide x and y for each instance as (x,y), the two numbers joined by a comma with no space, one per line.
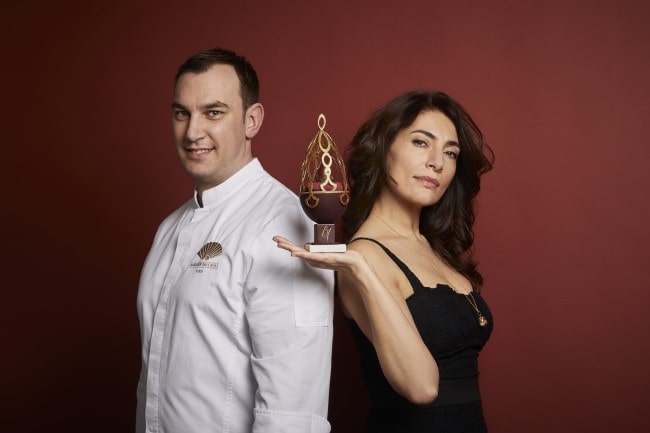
(254,118)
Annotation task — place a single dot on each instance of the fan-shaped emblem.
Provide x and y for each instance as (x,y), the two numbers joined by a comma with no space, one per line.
(209,250)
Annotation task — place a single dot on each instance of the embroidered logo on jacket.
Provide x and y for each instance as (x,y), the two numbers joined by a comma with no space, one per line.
(207,252)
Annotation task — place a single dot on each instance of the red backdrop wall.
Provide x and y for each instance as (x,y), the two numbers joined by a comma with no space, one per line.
(559,88)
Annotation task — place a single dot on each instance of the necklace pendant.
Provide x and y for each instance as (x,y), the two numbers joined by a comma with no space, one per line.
(482,321)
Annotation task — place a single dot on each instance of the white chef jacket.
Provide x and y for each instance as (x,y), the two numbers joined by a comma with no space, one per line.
(236,333)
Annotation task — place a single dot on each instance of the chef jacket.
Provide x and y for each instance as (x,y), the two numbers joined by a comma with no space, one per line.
(236,333)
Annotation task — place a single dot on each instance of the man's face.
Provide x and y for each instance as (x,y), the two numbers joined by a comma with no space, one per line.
(209,125)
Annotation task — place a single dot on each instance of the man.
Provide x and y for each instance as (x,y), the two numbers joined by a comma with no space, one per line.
(236,335)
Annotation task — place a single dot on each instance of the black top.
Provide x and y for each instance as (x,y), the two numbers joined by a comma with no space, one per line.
(449,327)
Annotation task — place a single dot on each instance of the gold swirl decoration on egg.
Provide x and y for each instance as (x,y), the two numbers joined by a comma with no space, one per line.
(209,250)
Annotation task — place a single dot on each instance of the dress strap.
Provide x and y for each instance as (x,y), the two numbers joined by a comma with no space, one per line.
(415,281)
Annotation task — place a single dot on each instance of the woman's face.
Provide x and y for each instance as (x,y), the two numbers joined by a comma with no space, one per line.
(421,161)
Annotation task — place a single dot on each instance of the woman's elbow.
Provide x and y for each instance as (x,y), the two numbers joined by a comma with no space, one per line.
(422,395)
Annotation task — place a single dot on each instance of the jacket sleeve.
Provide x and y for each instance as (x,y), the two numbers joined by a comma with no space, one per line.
(141,393)
(289,309)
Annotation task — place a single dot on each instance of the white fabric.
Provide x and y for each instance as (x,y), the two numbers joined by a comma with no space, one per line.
(240,342)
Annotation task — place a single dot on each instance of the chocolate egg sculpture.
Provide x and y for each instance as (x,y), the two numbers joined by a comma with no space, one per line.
(324,192)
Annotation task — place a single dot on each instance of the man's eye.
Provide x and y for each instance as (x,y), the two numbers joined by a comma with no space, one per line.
(214,113)
(181,114)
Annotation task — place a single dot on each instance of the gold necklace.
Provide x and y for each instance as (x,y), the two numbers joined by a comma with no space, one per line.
(482,321)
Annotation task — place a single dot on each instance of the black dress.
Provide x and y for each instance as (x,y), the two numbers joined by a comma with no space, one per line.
(449,327)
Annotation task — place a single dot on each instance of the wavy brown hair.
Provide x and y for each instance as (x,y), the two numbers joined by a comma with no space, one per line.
(447,224)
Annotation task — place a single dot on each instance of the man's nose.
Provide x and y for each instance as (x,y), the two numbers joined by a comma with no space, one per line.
(195,129)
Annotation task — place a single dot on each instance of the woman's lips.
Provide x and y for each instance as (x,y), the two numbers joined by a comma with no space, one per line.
(428,181)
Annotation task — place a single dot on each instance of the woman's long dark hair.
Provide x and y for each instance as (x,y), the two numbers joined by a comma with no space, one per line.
(447,224)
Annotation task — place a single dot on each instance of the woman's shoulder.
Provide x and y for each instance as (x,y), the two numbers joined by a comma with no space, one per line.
(373,247)
(366,241)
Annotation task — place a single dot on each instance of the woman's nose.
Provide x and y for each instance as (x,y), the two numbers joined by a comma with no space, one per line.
(436,160)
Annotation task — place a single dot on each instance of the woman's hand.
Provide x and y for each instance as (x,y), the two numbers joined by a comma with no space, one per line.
(347,262)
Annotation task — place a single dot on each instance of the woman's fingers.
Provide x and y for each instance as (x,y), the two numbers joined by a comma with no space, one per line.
(333,261)
(287,244)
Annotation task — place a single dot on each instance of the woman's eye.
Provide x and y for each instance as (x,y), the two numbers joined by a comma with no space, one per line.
(452,155)
(419,143)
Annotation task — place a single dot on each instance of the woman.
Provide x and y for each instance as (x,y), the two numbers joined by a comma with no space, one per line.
(407,282)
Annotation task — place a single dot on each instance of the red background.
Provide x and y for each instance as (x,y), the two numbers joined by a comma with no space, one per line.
(560,89)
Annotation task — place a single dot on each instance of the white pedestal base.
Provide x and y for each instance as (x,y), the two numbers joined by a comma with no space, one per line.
(326,248)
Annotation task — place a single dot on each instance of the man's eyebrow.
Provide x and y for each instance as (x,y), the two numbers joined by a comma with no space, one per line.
(433,137)
(216,104)
(208,106)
